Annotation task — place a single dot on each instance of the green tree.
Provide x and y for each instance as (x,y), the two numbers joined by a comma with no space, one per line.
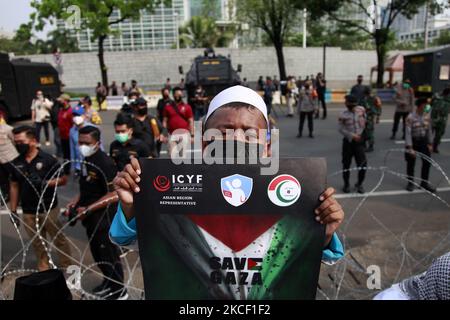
(443,39)
(211,8)
(9,45)
(100,16)
(22,40)
(275,17)
(61,39)
(334,35)
(201,32)
(57,38)
(377,22)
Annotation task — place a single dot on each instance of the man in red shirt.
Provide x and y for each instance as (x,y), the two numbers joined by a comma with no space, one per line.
(65,122)
(178,119)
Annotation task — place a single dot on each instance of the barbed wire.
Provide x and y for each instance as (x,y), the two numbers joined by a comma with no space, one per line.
(340,274)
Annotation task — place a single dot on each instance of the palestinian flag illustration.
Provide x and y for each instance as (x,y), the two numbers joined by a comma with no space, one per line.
(233,256)
(206,259)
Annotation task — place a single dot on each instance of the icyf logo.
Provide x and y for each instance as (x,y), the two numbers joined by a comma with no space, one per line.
(236,189)
(284,190)
(161,183)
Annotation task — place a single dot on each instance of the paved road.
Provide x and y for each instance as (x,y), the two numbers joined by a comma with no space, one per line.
(399,231)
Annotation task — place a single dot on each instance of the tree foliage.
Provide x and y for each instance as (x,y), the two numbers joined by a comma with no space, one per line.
(100,16)
(275,17)
(376,19)
(203,32)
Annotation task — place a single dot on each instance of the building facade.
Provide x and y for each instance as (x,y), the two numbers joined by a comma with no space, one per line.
(155,30)
(410,30)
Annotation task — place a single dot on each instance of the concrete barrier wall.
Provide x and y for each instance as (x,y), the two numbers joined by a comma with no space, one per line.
(151,67)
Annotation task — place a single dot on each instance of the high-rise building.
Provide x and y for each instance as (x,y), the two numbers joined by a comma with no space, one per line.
(402,24)
(213,7)
(408,30)
(152,30)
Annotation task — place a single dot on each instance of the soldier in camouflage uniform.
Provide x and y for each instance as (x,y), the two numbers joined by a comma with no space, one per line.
(440,107)
(372,104)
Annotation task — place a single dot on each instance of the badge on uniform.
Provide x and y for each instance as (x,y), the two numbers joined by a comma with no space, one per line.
(91,176)
(39,166)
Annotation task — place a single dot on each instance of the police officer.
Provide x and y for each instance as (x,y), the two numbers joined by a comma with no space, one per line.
(352,123)
(199,103)
(419,138)
(358,90)
(128,106)
(125,146)
(33,172)
(404,98)
(146,128)
(165,100)
(372,105)
(439,115)
(95,206)
(321,87)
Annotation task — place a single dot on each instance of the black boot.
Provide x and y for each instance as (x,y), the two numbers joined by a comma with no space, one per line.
(346,188)
(428,187)
(435,148)
(410,187)
(360,188)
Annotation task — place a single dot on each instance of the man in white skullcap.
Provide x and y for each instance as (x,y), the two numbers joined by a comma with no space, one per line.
(237,108)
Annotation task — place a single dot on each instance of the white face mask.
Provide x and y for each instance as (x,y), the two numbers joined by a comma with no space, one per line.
(87,151)
(78,120)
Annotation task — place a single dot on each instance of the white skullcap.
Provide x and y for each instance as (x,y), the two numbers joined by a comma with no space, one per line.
(238,94)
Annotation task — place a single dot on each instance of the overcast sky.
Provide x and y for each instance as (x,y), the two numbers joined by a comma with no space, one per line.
(15,12)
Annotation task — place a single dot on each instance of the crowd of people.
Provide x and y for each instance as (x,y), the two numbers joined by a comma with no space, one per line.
(30,176)
(28,171)
(424,120)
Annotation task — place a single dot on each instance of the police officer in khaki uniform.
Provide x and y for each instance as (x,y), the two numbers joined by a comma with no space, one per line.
(352,123)
(419,142)
(404,97)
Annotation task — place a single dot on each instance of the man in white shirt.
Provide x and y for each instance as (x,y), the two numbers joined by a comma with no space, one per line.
(40,115)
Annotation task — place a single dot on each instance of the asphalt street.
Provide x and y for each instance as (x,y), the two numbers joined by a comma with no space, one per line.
(399,231)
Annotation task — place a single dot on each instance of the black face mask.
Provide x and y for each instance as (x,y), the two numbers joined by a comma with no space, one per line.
(23,148)
(142,111)
(178,99)
(234,149)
